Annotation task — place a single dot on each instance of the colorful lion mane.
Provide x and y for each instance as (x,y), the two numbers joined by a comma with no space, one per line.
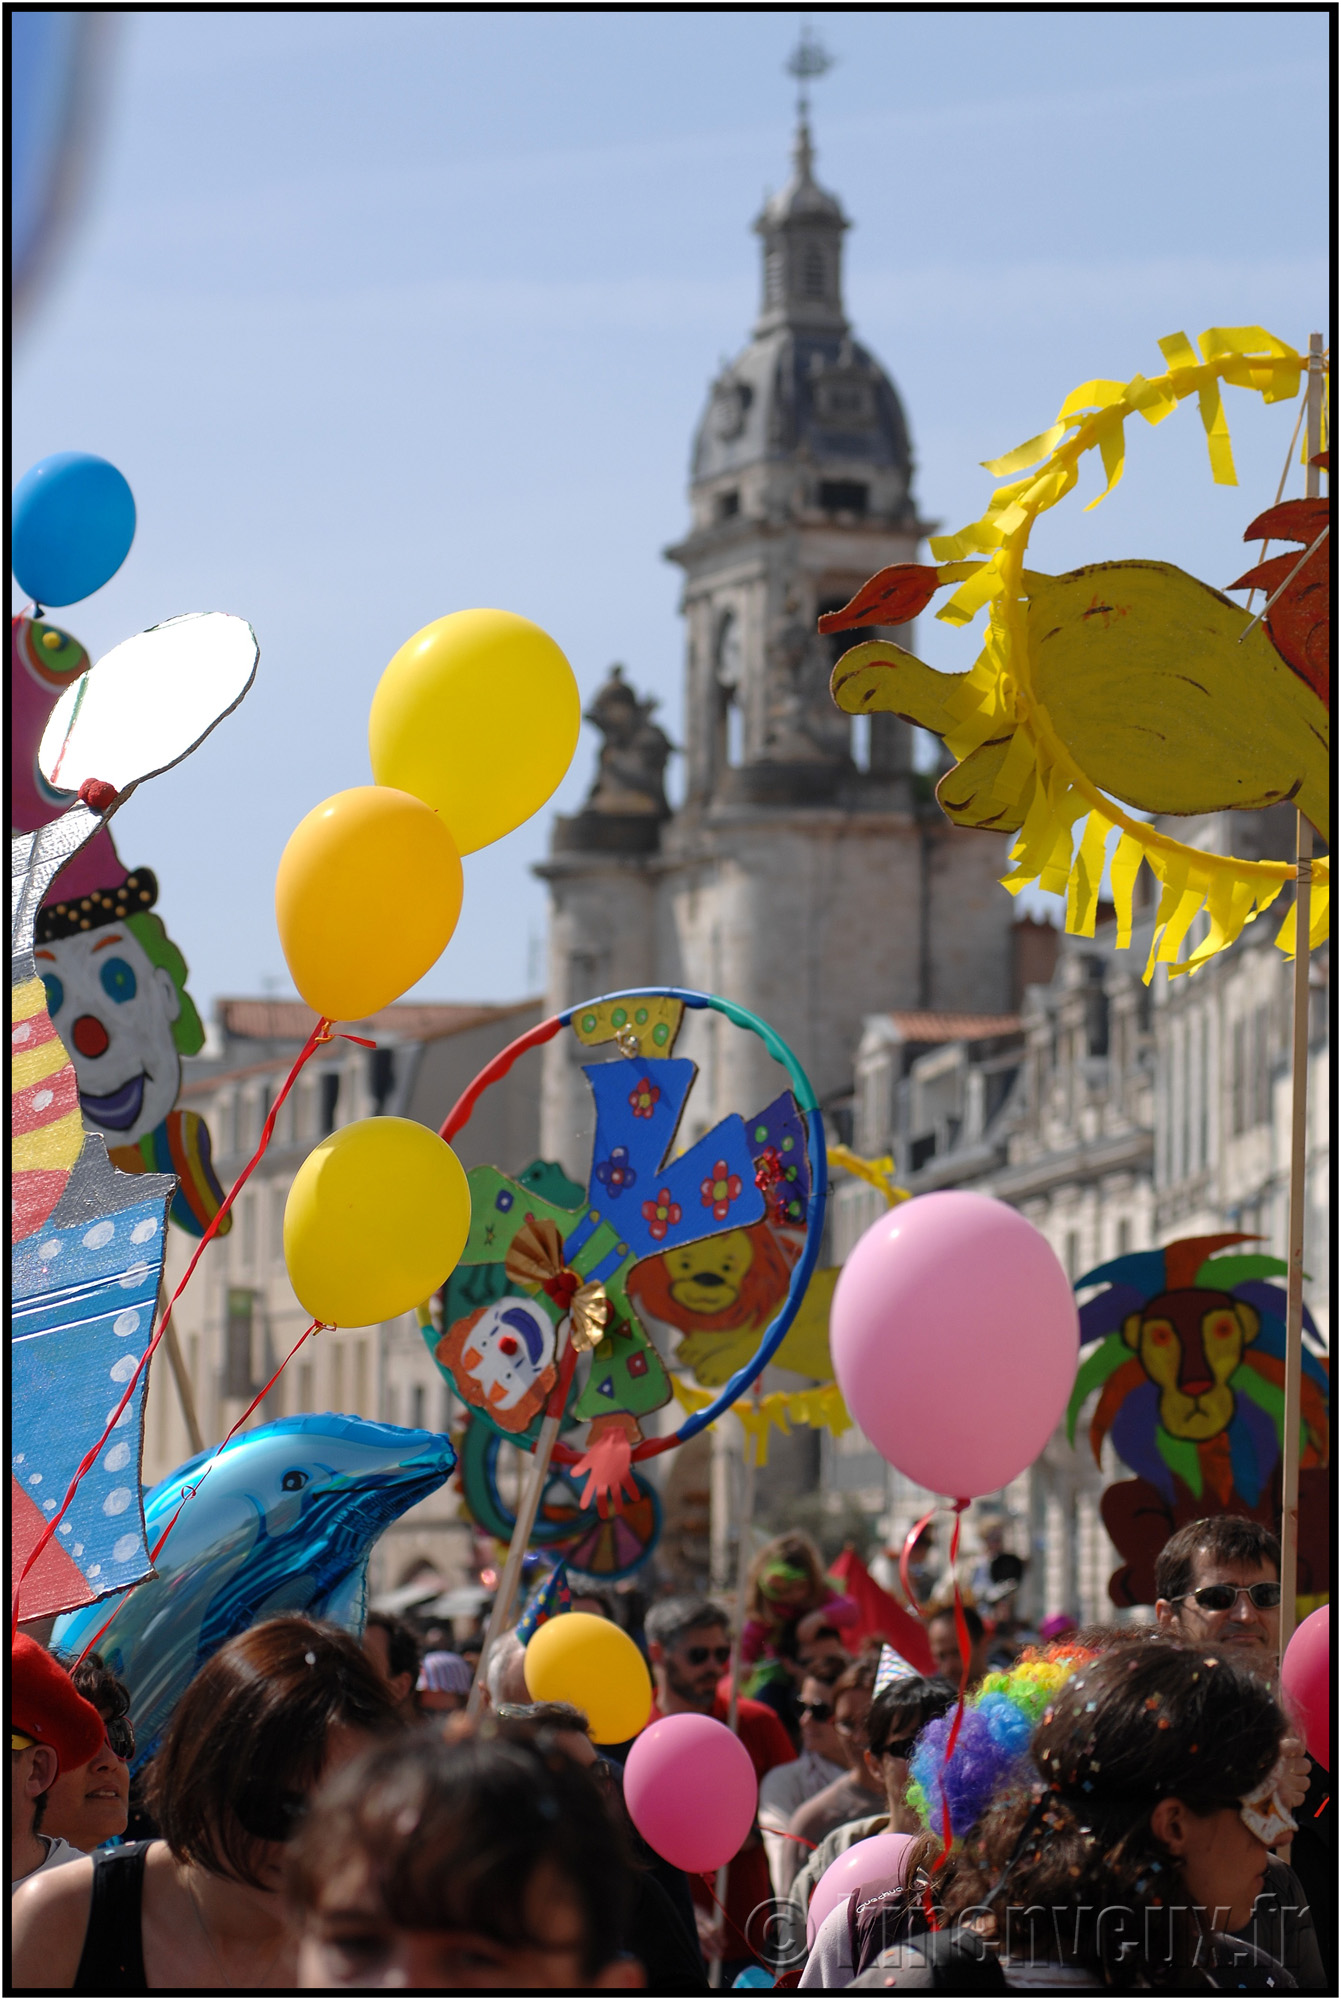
(1236,1464)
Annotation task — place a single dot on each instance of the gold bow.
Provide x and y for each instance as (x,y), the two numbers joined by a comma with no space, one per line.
(535,1257)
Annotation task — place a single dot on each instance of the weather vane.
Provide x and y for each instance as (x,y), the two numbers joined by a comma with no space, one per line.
(808,59)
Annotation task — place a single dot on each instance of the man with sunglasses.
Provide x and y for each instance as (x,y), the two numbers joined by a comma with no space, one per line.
(1217,1583)
(689,1644)
(788,1786)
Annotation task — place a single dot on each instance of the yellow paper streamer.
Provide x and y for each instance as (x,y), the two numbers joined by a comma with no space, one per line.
(1066,820)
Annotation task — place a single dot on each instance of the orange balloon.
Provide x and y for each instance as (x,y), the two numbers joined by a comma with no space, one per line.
(367,895)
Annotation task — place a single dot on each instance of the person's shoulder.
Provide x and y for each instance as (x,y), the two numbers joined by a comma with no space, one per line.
(62,1885)
(48,1917)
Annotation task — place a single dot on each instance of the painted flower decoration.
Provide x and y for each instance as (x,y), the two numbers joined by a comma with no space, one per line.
(643,1097)
(719,1190)
(662,1214)
(615,1174)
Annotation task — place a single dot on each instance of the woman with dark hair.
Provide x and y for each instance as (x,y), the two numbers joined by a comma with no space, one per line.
(263,1721)
(91,1803)
(1144,1842)
(488,1861)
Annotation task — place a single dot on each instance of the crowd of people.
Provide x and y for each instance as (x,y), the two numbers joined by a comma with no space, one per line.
(1125,1806)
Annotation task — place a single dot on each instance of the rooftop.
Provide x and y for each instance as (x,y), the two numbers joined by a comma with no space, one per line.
(408,1020)
(927,1026)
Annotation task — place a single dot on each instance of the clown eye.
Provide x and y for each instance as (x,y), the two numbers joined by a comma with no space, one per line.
(55,993)
(118,981)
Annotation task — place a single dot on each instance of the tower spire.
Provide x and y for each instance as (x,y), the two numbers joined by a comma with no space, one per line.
(808,59)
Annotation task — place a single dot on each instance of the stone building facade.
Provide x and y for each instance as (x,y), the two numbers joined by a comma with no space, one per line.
(1116,1116)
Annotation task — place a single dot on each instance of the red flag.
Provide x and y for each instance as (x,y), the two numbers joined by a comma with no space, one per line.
(878,1612)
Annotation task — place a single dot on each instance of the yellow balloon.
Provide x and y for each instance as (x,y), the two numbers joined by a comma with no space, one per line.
(376,1220)
(478,716)
(367,895)
(595,1665)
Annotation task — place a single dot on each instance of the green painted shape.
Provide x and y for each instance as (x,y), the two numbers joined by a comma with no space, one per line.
(1107,1357)
(547,1179)
(1223,1273)
(1265,1394)
(1182,1458)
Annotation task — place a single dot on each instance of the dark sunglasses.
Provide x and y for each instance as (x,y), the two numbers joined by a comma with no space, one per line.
(818,1711)
(698,1656)
(121,1738)
(901,1746)
(267,1815)
(1224,1596)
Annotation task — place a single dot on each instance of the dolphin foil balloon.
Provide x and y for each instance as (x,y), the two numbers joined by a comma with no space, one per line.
(284,1523)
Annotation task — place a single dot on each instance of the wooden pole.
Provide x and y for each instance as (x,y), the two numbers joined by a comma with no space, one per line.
(185,1393)
(737,1631)
(1294,1307)
(528,1507)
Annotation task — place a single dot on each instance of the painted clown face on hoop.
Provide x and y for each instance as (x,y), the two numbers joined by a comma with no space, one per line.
(501,1359)
(116,1012)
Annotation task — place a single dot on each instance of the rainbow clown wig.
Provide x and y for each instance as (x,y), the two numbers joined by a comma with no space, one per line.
(992,1748)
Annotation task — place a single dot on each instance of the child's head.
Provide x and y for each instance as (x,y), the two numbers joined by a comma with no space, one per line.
(486,1862)
(787,1578)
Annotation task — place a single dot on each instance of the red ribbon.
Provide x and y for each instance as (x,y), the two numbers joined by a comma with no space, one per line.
(320,1033)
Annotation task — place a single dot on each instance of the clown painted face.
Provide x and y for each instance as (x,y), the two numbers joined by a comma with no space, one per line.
(114,1011)
(502,1359)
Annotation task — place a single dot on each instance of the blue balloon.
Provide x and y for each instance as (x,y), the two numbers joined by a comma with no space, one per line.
(285,1522)
(73,523)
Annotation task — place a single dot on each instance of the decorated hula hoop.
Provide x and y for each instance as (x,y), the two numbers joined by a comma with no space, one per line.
(607,1549)
(624,1004)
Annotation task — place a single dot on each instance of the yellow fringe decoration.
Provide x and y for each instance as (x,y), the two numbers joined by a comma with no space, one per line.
(823,1406)
(1062,843)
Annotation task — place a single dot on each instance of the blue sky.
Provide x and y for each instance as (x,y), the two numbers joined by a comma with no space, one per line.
(388,314)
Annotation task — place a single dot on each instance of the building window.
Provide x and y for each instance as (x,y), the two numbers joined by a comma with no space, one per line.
(237,1347)
(337,1375)
(246,1241)
(417,1399)
(381,1077)
(773,275)
(305,1398)
(361,1377)
(1073,1254)
(330,1099)
(812,273)
(728,504)
(1123,1236)
(843,496)
(278,1200)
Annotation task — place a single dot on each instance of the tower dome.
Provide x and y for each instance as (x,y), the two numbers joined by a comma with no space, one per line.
(804,398)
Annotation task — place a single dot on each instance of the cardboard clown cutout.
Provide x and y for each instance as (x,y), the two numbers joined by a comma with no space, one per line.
(87,1238)
(115,982)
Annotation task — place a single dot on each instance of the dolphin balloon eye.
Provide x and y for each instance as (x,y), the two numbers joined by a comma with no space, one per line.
(294,1480)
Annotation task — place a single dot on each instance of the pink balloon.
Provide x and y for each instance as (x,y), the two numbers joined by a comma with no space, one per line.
(955,1339)
(690,1788)
(1305,1680)
(879,1858)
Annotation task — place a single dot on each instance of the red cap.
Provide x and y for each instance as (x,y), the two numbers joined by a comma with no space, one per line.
(44,1704)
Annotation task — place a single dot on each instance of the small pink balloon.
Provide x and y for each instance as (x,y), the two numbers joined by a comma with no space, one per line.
(955,1339)
(880,1858)
(690,1788)
(1306,1680)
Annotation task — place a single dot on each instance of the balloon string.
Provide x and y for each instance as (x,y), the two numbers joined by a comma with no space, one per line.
(910,1541)
(729,1921)
(320,1033)
(962,1635)
(189,1491)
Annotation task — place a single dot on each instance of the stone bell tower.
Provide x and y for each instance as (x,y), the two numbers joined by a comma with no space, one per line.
(808,874)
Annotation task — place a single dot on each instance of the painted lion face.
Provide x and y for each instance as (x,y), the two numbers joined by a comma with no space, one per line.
(707,1277)
(1190,1343)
